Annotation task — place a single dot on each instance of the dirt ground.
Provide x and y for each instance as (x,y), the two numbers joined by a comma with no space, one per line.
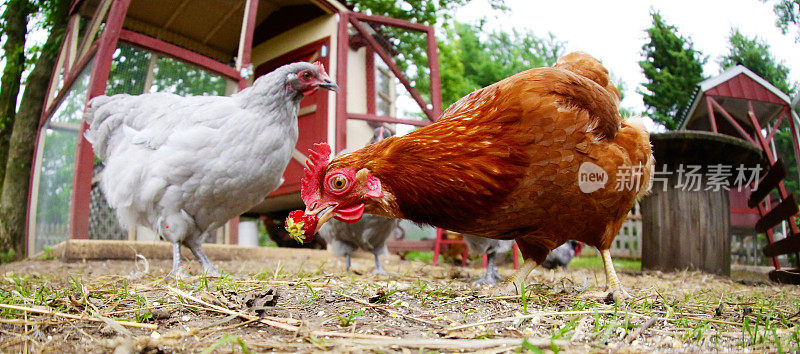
(302,303)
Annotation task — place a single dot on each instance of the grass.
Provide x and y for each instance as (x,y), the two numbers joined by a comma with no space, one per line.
(595,263)
(425,257)
(583,262)
(694,311)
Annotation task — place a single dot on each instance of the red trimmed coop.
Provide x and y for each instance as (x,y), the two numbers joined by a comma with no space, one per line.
(213,47)
(741,104)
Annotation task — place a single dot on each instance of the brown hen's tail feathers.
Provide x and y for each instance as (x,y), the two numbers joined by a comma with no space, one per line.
(649,165)
(589,67)
(601,102)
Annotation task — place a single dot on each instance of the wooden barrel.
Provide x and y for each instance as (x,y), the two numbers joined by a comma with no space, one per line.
(689,228)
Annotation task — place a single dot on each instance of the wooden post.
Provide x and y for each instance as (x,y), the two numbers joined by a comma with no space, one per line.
(84,156)
(342,47)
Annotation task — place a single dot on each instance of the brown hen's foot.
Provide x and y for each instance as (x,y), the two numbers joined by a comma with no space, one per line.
(514,286)
(614,290)
(609,296)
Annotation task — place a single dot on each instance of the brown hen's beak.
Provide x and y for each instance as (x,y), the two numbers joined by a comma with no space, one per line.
(324,213)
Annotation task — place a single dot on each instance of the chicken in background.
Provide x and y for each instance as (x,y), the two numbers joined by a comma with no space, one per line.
(184,166)
(504,162)
(370,233)
(491,248)
(562,255)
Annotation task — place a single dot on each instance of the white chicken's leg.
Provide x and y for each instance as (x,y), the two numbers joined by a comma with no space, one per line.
(378,267)
(490,277)
(177,270)
(349,262)
(613,284)
(197,250)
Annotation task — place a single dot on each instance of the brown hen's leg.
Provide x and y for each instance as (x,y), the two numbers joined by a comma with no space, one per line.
(514,285)
(613,284)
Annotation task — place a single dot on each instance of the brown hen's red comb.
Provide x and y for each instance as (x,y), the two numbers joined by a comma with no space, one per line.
(321,68)
(317,162)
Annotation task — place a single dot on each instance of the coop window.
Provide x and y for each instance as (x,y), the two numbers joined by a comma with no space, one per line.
(385,91)
(52,187)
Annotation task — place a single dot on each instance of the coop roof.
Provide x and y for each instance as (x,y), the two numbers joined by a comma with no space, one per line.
(213,27)
(734,88)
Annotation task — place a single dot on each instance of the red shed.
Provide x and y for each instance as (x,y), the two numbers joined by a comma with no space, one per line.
(212,47)
(739,103)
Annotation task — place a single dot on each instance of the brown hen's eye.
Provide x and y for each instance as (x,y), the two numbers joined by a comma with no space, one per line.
(307,75)
(338,182)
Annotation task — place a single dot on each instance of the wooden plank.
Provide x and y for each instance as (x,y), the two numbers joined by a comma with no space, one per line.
(783,211)
(387,119)
(390,21)
(785,276)
(774,176)
(179,53)
(784,246)
(404,246)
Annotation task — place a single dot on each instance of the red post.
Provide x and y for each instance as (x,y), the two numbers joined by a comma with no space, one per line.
(776,126)
(342,41)
(393,67)
(247,43)
(84,156)
(436,85)
(249,26)
(370,80)
(515,254)
(711,119)
(732,120)
(795,143)
(437,245)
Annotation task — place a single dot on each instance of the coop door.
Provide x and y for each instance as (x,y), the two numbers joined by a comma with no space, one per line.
(313,115)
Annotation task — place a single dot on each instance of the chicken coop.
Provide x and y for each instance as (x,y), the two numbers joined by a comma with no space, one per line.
(214,47)
(740,104)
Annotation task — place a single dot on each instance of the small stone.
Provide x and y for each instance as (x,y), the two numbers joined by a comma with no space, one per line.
(106,331)
(161,313)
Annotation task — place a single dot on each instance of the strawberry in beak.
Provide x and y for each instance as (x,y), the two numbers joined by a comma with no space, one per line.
(302,226)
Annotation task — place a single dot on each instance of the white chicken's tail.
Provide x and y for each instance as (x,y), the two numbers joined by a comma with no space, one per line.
(104,119)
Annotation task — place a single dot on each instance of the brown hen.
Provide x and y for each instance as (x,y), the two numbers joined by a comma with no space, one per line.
(504,162)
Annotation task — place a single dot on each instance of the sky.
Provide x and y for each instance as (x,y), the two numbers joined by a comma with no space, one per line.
(613,31)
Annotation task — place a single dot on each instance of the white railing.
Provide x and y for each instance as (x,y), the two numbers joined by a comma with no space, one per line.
(628,243)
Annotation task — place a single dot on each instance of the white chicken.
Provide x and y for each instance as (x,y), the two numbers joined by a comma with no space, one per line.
(183,166)
(491,248)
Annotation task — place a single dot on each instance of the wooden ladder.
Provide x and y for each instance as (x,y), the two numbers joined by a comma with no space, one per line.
(771,217)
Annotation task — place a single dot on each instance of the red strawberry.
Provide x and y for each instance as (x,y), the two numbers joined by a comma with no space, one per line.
(301,226)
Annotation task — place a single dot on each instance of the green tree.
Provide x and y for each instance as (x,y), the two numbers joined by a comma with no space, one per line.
(788,12)
(672,68)
(482,59)
(14,26)
(755,54)
(13,199)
